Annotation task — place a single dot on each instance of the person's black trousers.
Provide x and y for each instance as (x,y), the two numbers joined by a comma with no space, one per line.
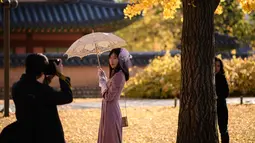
(222,112)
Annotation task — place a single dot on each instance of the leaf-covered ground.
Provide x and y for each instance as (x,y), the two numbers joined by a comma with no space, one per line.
(148,124)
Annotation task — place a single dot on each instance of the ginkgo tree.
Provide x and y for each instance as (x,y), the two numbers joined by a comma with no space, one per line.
(197,113)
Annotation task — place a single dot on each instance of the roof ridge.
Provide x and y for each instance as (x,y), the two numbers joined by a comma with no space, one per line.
(96,2)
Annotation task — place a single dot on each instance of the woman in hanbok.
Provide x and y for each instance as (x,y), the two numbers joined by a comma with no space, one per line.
(110,129)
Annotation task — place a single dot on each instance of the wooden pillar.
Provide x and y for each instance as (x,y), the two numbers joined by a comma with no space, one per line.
(7,5)
(6,16)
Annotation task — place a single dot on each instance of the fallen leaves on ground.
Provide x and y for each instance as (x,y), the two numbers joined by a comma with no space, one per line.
(147,124)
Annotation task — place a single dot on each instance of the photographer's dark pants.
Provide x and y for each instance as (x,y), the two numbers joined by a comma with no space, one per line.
(222,111)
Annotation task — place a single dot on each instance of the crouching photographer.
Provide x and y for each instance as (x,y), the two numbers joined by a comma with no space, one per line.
(36,103)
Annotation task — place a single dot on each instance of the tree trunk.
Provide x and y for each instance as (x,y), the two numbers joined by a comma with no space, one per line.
(197,114)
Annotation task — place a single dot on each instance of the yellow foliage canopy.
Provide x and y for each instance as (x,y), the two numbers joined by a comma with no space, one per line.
(137,6)
(171,6)
(247,5)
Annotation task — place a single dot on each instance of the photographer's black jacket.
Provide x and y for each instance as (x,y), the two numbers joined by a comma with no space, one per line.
(36,108)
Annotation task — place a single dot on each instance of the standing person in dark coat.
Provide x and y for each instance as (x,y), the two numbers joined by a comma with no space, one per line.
(222,92)
(36,104)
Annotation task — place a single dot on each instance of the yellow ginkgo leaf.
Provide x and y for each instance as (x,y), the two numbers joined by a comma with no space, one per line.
(233,52)
(219,10)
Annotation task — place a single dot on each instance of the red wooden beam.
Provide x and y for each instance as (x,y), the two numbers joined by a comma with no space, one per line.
(29,46)
(46,36)
(17,36)
(41,43)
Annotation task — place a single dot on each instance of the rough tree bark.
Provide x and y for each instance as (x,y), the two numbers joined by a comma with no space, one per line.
(197,114)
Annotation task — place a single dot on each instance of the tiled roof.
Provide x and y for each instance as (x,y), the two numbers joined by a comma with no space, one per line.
(138,59)
(226,40)
(223,41)
(80,13)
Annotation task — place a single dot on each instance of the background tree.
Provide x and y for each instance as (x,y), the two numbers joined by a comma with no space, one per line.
(197,114)
(234,22)
(152,33)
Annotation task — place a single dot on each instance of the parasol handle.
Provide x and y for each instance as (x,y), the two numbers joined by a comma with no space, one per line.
(98,60)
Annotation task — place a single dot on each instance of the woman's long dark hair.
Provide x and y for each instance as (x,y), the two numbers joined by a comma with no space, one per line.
(118,67)
(221,65)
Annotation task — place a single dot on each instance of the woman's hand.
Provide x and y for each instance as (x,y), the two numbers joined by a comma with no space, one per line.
(101,73)
(102,79)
